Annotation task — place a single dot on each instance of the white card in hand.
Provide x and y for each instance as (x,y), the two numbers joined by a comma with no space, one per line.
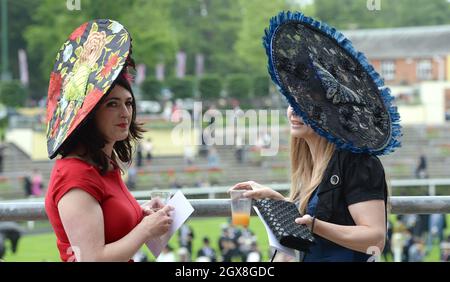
(182,210)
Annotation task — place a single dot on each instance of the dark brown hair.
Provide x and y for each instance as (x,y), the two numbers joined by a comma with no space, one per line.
(92,141)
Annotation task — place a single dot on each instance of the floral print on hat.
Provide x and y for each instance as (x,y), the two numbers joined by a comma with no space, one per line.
(85,68)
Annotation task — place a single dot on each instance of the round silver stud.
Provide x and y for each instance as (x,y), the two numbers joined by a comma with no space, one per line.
(334,179)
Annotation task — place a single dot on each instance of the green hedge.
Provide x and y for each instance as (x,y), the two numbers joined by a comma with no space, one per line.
(12,93)
(151,89)
(239,86)
(181,88)
(261,86)
(210,87)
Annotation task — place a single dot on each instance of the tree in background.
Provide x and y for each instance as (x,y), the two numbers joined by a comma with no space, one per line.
(255,18)
(19,14)
(238,86)
(152,30)
(210,87)
(210,28)
(181,88)
(151,89)
(52,24)
(228,32)
(261,86)
(13,94)
(147,21)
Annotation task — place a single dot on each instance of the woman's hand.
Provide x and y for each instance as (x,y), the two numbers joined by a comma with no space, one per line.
(152,206)
(158,222)
(306,220)
(257,191)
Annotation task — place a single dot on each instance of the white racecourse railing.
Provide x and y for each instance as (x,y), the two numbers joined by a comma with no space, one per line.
(33,209)
(213,191)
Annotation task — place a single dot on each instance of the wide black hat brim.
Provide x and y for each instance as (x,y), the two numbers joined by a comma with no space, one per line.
(331,85)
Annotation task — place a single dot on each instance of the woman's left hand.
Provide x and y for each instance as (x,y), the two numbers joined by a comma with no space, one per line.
(257,191)
(152,206)
(306,220)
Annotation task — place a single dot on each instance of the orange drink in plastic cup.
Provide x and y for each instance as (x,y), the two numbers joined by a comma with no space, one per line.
(240,208)
(240,219)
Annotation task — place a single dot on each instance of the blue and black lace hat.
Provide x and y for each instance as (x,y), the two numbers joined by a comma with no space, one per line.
(330,85)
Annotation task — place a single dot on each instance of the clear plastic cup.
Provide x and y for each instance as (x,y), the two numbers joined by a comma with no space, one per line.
(164,196)
(240,208)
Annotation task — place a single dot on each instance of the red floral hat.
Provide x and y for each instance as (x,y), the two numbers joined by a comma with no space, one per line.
(86,66)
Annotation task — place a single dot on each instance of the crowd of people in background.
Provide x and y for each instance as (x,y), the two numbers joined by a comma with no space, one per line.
(234,244)
(144,153)
(413,237)
(410,239)
(33,184)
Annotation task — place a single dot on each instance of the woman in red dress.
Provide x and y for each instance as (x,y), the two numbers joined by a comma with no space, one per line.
(94,216)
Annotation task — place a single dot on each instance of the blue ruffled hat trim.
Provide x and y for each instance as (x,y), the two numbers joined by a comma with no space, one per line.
(345,43)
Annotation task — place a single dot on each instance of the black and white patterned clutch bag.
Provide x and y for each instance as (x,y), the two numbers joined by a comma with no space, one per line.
(280,217)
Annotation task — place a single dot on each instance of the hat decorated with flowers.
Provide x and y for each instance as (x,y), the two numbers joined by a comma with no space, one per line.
(330,85)
(86,66)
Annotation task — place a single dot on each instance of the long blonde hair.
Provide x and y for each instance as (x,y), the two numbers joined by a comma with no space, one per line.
(306,175)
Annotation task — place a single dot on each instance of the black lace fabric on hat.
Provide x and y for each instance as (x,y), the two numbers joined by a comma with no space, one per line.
(330,87)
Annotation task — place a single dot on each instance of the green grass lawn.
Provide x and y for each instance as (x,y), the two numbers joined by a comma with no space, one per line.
(36,248)
(42,247)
